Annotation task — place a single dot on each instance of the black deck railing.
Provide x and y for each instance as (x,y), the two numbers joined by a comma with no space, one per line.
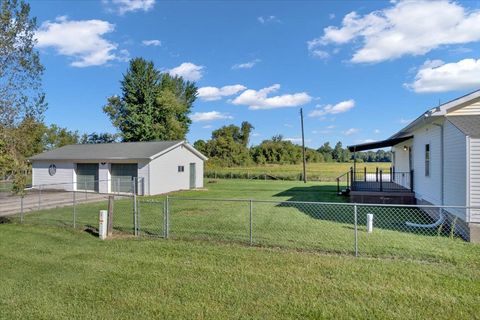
(376,181)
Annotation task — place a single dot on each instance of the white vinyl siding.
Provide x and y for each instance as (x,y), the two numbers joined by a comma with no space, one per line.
(401,164)
(143,178)
(164,175)
(474,178)
(471,109)
(427,188)
(63,178)
(455,164)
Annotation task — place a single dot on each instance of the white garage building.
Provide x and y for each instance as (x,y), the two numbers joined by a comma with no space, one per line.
(157,167)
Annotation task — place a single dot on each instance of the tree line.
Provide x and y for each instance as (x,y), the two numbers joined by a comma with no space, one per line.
(229,146)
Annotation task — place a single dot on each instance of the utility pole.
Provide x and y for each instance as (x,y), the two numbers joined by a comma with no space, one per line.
(303,149)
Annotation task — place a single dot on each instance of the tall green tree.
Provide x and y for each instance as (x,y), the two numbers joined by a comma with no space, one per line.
(94,137)
(153,105)
(22,101)
(56,137)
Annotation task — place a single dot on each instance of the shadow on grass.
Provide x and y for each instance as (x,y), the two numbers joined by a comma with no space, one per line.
(388,218)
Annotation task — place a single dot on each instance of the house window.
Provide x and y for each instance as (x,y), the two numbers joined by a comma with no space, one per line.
(427,160)
(181,168)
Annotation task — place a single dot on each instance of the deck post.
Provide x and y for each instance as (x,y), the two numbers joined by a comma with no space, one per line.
(352,178)
(381,180)
(376,174)
(365,174)
(411,180)
(391,171)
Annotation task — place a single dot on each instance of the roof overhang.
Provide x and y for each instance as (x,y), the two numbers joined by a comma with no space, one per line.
(438,112)
(378,144)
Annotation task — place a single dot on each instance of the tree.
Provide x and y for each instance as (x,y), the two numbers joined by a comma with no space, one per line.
(56,137)
(337,152)
(22,101)
(99,138)
(245,130)
(153,105)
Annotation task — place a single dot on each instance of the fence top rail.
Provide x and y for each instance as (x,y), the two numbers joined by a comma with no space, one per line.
(325,203)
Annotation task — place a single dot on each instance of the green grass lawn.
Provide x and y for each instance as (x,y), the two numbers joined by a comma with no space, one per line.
(321,227)
(56,273)
(315,171)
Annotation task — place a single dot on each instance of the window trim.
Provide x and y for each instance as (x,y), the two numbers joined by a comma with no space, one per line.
(427,159)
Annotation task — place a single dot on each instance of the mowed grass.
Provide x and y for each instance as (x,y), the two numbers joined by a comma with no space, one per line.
(287,219)
(55,273)
(315,171)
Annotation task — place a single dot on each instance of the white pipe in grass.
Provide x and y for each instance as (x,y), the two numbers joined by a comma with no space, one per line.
(369,222)
(102,224)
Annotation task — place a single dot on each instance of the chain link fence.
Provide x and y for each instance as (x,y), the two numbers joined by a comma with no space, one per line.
(359,229)
(75,205)
(418,231)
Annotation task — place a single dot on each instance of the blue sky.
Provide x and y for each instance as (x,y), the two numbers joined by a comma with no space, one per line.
(360,70)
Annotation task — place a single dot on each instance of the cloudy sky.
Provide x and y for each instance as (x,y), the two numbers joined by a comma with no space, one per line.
(360,70)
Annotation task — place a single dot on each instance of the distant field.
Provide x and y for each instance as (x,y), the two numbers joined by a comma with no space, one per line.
(315,171)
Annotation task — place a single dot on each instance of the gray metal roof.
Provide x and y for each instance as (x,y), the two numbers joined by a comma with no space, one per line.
(470,125)
(108,151)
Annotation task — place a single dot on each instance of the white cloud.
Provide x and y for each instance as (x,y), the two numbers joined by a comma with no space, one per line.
(188,71)
(209,116)
(297,140)
(321,54)
(246,65)
(82,40)
(208,126)
(376,131)
(257,100)
(124,6)
(340,107)
(331,126)
(441,77)
(153,42)
(406,28)
(288,125)
(214,93)
(351,131)
(366,141)
(405,121)
(268,19)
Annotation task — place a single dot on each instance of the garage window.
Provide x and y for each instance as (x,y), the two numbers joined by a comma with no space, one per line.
(181,169)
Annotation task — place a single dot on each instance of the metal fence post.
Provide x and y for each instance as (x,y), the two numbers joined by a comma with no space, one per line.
(164,219)
(251,222)
(167,218)
(74,209)
(135,227)
(355,214)
(21,209)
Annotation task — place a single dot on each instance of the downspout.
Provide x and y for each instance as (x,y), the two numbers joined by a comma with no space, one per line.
(442,162)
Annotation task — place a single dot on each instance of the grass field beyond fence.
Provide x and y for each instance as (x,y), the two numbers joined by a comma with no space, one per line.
(327,171)
(294,215)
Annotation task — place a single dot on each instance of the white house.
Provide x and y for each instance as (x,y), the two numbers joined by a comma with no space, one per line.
(436,157)
(156,167)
